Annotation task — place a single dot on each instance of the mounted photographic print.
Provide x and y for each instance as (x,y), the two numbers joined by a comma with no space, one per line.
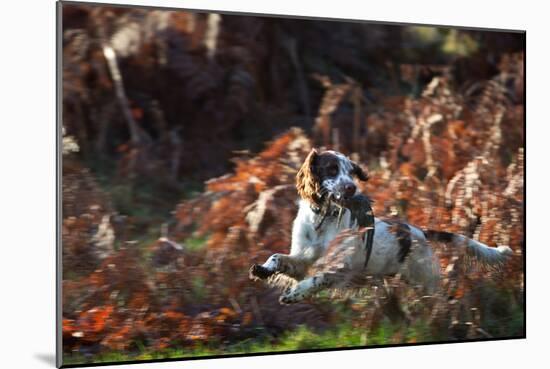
(242,184)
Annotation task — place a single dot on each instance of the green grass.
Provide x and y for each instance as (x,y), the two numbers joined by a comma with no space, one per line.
(302,338)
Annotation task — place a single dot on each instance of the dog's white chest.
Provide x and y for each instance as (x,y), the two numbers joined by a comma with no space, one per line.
(330,230)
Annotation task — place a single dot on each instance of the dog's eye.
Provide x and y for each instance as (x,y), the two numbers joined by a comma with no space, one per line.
(333,170)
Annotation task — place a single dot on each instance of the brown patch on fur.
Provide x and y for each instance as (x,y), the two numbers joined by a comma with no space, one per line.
(307,183)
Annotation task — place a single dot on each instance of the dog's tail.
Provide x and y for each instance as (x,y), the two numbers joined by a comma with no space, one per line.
(493,256)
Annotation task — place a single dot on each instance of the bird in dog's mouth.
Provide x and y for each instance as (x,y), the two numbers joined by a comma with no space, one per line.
(339,200)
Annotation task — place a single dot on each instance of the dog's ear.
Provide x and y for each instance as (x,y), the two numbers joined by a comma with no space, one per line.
(307,180)
(359,172)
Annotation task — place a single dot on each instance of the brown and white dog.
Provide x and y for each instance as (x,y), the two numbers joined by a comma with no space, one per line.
(328,178)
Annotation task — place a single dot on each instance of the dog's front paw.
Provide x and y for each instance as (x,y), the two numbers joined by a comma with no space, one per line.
(257,271)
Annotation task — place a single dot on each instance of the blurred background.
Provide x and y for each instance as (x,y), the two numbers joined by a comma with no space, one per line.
(182,134)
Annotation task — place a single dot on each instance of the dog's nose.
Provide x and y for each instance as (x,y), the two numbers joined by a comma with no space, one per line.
(349,189)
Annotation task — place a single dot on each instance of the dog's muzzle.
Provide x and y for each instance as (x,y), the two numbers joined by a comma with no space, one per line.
(345,192)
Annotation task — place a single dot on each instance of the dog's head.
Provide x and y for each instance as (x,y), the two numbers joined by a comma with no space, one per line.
(328,174)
